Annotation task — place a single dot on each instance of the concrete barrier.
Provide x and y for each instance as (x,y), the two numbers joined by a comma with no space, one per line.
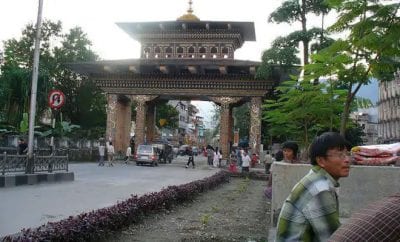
(364,185)
(11,180)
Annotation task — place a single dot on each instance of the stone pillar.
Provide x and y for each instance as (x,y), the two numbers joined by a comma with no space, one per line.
(225,127)
(231,126)
(255,125)
(111,127)
(118,121)
(123,123)
(141,107)
(150,122)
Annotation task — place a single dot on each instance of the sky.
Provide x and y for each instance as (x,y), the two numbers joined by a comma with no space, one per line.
(97,18)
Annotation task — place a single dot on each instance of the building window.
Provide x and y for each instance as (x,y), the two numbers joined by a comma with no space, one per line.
(168,50)
(179,50)
(191,49)
(202,50)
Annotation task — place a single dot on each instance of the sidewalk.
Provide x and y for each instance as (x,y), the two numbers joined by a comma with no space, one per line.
(94,187)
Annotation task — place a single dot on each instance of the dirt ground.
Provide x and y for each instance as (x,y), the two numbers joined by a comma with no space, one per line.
(235,211)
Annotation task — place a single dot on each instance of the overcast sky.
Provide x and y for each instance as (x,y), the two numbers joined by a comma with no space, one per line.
(98,17)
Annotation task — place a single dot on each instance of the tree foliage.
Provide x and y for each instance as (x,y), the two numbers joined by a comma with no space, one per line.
(371,48)
(241,116)
(302,109)
(297,11)
(85,104)
(169,113)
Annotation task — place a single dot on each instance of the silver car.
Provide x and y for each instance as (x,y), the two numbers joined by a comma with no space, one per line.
(146,154)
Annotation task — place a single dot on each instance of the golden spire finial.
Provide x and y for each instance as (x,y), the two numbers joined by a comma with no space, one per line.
(189,16)
(190,10)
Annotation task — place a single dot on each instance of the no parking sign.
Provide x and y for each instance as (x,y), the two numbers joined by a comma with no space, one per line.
(56,99)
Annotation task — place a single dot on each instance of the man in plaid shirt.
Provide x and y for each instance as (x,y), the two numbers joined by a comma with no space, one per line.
(311,212)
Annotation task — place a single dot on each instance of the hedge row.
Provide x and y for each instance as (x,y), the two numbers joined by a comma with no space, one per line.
(96,224)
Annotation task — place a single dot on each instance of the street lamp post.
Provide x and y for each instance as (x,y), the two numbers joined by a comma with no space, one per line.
(30,165)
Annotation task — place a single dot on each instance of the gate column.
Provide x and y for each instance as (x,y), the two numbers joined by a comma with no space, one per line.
(111,128)
(255,124)
(225,119)
(150,122)
(141,108)
(118,121)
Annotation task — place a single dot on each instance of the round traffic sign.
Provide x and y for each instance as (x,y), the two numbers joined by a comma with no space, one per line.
(56,99)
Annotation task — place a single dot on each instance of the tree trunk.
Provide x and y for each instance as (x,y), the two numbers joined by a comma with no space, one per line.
(304,29)
(345,114)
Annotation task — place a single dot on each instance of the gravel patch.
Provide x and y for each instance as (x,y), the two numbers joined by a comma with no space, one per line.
(236,211)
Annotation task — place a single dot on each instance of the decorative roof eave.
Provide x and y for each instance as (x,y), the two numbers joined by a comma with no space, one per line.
(166,66)
(134,29)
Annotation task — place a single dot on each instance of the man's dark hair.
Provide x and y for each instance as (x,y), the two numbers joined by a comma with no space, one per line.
(327,141)
(279,155)
(291,145)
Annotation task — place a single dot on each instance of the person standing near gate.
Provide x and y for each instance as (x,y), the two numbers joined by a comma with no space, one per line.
(22,147)
(311,211)
(102,150)
(128,154)
(110,154)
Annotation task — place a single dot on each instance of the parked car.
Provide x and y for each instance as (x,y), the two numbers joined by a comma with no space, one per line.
(165,152)
(147,154)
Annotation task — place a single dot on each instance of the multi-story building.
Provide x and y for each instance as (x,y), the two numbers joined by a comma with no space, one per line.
(187,132)
(389,110)
(369,124)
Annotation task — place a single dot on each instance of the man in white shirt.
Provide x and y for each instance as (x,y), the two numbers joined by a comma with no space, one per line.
(128,154)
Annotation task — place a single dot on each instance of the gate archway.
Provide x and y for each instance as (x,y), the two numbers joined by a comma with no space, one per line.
(185,59)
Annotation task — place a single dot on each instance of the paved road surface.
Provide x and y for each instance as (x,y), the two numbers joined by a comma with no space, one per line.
(94,187)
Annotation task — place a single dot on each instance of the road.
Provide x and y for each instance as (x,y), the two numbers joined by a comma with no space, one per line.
(94,187)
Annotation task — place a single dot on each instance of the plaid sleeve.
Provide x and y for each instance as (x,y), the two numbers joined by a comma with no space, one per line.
(379,221)
(322,214)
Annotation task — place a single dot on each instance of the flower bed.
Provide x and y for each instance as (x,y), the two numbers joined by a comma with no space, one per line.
(96,224)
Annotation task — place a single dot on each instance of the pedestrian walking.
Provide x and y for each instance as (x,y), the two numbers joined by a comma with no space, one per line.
(191,158)
(245,162)
(210,155)
(102,150)
(128,154)
(110,154)
(216,157)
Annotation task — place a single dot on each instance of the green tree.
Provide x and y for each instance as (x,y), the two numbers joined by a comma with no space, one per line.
(371,48)
(169,114)
(17,69)
(85,104)
(302,110)
(298,10)
(216,119)
(241,116)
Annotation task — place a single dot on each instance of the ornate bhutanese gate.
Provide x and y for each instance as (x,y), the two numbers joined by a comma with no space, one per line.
(183,59)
